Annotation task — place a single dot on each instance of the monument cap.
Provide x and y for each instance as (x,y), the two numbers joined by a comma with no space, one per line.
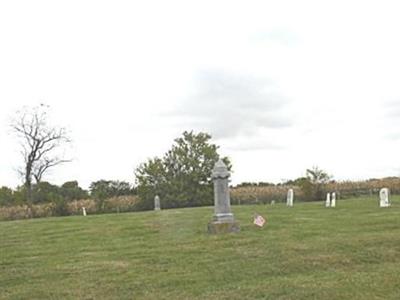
(220,170)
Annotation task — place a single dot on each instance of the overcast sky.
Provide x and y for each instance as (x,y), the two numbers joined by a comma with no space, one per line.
(280,85)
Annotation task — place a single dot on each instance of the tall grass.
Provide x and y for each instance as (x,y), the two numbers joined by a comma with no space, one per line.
(343,189)
(367,187)
(115,204)
(263,194)
(239,195)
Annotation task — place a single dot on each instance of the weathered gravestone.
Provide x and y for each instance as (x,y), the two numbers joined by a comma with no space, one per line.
(223,220)
(333,200)
(289,199)
(384,198)
(328,200)
(157,203)
(84,211)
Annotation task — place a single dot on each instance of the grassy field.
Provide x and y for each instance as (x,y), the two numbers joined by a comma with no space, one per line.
(304,252)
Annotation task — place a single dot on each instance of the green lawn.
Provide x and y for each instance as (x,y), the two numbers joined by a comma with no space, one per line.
(304,252)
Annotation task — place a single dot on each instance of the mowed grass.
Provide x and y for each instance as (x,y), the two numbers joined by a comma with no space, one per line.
(304,252)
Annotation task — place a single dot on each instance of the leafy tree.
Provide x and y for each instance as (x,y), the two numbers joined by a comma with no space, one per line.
(6,196)
(39,142)
(254,184)
(317,176)
(306,186)
(19,195)
(182,176)
(318,179)
(151,177)
(312,185)
(45,192)
(71,190)
(122,188)
(102,189)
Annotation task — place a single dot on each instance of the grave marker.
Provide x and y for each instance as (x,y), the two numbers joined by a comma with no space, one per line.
(384,197)
(328,200)
(223,220)
(157,203)
(333,200)
(289,199)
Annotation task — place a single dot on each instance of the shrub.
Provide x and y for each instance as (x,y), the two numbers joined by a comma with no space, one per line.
(22,211)
(75,207)
(263,194)
(121,204)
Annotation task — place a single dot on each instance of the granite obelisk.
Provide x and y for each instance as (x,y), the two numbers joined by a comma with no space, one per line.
(223,220)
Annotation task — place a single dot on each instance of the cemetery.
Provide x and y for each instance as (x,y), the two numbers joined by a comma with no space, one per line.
(300,251)
(199,150)
(183,232)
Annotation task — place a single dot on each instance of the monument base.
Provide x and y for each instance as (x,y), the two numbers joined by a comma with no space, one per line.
(215,227)
(223,218)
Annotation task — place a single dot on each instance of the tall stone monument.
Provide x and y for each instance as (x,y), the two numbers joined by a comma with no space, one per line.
(333,200)
(223,220)
(384,198)
(328,200)
(289,199)
(157,203)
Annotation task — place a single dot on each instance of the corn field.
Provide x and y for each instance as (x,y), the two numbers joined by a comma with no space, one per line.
(111,205)
(343,189)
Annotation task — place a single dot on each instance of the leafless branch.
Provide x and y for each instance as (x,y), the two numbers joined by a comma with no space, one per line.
(39,143)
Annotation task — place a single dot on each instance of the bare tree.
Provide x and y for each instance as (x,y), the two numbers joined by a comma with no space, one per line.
(40,143)
(318,178)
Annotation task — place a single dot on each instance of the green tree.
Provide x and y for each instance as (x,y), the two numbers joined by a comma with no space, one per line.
(19,195)
(71,190)
(151,179)
(306,186)
(103,189)
(312,185)
(182,177)
(317,176)
(6,196)
(45,192)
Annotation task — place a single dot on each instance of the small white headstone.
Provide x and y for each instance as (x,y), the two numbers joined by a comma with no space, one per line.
(84,211)
(328,200)
(289,199)
(384,197)
(333,200)
(157,203)
(272,202)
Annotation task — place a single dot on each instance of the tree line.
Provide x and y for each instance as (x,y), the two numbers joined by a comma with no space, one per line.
(45,192)
(181,176)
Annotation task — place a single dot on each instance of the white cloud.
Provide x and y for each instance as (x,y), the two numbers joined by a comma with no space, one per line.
(228,105)
(294,83)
